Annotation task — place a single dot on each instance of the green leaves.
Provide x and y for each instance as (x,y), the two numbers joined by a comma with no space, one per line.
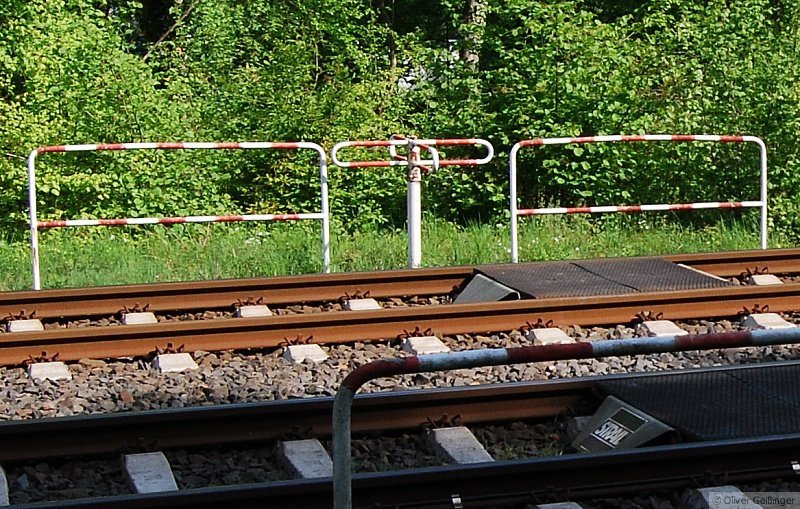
(77,71)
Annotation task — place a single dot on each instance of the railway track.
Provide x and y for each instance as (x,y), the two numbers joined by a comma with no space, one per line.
(209,295)
(518,481)
(328,328)
(505,482)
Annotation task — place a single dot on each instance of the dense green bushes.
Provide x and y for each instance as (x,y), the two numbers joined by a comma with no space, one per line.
(77,71)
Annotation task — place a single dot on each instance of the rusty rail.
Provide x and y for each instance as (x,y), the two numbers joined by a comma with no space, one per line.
(316,288)
(734,263)
(204,295)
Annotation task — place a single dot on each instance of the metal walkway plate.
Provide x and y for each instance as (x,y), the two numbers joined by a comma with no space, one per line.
(719,404)
(582,278)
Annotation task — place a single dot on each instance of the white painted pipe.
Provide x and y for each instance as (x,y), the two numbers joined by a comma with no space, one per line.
(414,209)
(414,223)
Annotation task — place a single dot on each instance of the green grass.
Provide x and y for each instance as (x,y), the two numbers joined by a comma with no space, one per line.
(81,257)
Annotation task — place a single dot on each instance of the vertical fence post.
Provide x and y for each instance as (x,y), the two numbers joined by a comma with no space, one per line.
(415,167)
(414,207)
(34,227)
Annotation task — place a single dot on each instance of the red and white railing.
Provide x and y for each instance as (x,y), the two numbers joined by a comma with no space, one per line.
(36,225)
(416,166)
(413,144)
(516,212)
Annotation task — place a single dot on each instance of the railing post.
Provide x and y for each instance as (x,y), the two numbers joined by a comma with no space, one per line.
(34,227)
(415,168)
(516,212)
(414,207)
(323,215)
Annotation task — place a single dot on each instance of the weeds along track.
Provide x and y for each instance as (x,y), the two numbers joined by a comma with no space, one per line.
(409,316)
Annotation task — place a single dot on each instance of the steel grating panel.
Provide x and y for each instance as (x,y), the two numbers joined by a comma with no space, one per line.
(718,405)
(651,274)
(581,278)
(553,279)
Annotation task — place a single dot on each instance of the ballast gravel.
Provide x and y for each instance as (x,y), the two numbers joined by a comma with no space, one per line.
(69,480)
(100,386)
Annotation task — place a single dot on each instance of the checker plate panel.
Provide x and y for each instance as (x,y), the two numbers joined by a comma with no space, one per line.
(582,278)
(719,404)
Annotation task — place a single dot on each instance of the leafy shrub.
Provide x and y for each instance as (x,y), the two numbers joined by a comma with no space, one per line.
(80,71)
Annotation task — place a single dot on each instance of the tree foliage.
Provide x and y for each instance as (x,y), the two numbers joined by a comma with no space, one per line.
(82,71)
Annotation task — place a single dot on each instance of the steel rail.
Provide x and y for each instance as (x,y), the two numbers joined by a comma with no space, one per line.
(206,295)
(246,423)
(38,439)
(734,263)
(342,461)
(344,327)
(183,296)
(538,480)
